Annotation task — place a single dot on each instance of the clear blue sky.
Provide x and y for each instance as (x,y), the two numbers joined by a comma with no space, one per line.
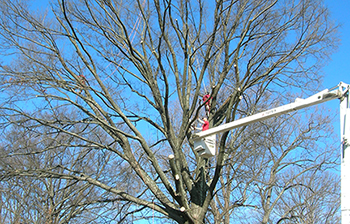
(339,66)
(337,69)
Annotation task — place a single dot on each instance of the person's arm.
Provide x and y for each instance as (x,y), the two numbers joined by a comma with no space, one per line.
(201,121)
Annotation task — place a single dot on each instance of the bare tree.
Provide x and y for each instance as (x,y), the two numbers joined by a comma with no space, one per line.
(112,88)
(46,199)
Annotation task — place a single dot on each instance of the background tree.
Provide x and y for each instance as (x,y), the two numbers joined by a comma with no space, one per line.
(109,89)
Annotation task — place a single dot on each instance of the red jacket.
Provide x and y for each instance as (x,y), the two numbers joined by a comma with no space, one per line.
(205,98)
(205,126)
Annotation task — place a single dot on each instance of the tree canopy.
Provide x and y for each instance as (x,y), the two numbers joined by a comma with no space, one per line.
(98,100)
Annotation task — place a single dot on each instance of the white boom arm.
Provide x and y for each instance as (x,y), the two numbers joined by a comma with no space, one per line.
(321,97)
(205,141)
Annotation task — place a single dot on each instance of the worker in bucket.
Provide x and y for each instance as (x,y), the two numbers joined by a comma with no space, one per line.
(205,124)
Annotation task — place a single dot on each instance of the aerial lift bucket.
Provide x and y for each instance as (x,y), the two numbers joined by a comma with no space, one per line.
(205,147)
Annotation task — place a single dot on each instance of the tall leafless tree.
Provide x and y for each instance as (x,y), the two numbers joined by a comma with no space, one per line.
(110,89)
